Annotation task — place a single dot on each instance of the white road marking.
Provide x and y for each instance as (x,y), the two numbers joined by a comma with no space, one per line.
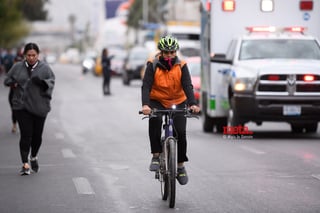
(82,185)
(118,167)
(253,150)
(67,153)
(316,176)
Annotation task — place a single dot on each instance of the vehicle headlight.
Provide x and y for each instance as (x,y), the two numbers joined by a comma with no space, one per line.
(88,64)
(244,84)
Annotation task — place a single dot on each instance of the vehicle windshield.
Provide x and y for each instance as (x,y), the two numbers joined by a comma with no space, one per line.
(139,55)
(194,68)
(279,49)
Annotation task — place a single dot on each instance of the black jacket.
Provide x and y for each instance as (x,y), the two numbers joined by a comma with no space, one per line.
(33,96)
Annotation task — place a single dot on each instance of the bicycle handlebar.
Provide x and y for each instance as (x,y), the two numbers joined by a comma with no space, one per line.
(157,112)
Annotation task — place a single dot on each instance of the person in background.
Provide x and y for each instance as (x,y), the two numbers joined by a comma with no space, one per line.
(2,70)
(165,84)
(19,57)
(106,71)
(32,82)
(8,61)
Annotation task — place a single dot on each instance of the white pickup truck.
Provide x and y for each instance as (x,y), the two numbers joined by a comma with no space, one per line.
(272,75)
(260,61)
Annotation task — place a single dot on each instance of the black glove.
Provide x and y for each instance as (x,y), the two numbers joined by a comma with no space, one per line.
(13,85)
(36,80)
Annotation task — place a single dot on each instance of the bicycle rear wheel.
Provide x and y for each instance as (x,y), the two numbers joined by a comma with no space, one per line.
(172,168)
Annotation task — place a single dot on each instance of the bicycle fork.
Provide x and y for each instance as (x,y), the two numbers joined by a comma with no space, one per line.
(162,161)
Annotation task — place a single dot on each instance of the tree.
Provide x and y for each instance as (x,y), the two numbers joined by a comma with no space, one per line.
(14,17)
(13,26)
(33,10)
(154,12)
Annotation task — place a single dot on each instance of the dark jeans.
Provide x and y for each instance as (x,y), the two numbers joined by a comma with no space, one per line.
(31,128)
(180,125)
(106,84)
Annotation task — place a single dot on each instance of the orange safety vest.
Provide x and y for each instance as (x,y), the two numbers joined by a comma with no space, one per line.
(167,87)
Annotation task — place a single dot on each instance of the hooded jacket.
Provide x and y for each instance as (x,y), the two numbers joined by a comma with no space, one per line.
(28,95)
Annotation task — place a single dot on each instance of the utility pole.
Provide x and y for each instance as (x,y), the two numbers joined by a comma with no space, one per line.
(145,11)
(72,20)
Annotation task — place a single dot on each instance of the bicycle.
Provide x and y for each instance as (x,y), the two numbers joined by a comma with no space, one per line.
(168,158)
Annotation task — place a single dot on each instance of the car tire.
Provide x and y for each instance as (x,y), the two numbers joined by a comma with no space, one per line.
(207,122)
(125,79)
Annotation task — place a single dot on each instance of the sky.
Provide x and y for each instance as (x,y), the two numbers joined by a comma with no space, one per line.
(85,11)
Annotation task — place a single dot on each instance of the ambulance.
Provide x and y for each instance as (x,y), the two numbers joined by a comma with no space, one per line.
(260,62)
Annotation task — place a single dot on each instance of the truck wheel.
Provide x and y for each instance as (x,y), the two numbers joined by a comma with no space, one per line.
(207,122)
(233,119)
(222,122)
(312,127)
(125,78)
(297,128)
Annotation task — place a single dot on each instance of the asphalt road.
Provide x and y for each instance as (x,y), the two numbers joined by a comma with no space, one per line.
(95,159)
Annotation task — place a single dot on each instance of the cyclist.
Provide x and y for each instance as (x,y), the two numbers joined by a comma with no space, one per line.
(167,82)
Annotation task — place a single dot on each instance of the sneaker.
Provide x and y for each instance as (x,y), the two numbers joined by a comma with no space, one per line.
(24,171)
(34,164)
(182,176)
(155,164)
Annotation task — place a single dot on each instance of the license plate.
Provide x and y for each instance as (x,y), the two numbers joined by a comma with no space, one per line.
(291,110)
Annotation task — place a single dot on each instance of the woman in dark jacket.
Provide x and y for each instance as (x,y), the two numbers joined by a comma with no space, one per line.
(32,82)
(106,71)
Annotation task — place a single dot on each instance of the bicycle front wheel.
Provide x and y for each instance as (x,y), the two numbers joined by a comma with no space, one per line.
(172,168)
(164,180)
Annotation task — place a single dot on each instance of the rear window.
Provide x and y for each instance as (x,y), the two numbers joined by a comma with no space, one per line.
(279,49)
(187,36)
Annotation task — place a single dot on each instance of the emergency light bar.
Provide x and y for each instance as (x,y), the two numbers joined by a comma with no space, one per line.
(294,29)
(261,29)
(208,6)
(228,5)
(271,29)
(306,5)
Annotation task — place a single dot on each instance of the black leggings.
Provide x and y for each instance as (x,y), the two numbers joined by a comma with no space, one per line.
(155,129)
(31,128)
(106,83)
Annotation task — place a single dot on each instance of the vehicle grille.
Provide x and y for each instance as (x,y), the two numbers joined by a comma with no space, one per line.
(287,85)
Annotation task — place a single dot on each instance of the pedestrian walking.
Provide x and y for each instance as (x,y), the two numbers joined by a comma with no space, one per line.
(106,71)
(32,81)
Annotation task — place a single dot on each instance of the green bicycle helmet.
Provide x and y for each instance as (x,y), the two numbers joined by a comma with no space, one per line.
(168,43)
